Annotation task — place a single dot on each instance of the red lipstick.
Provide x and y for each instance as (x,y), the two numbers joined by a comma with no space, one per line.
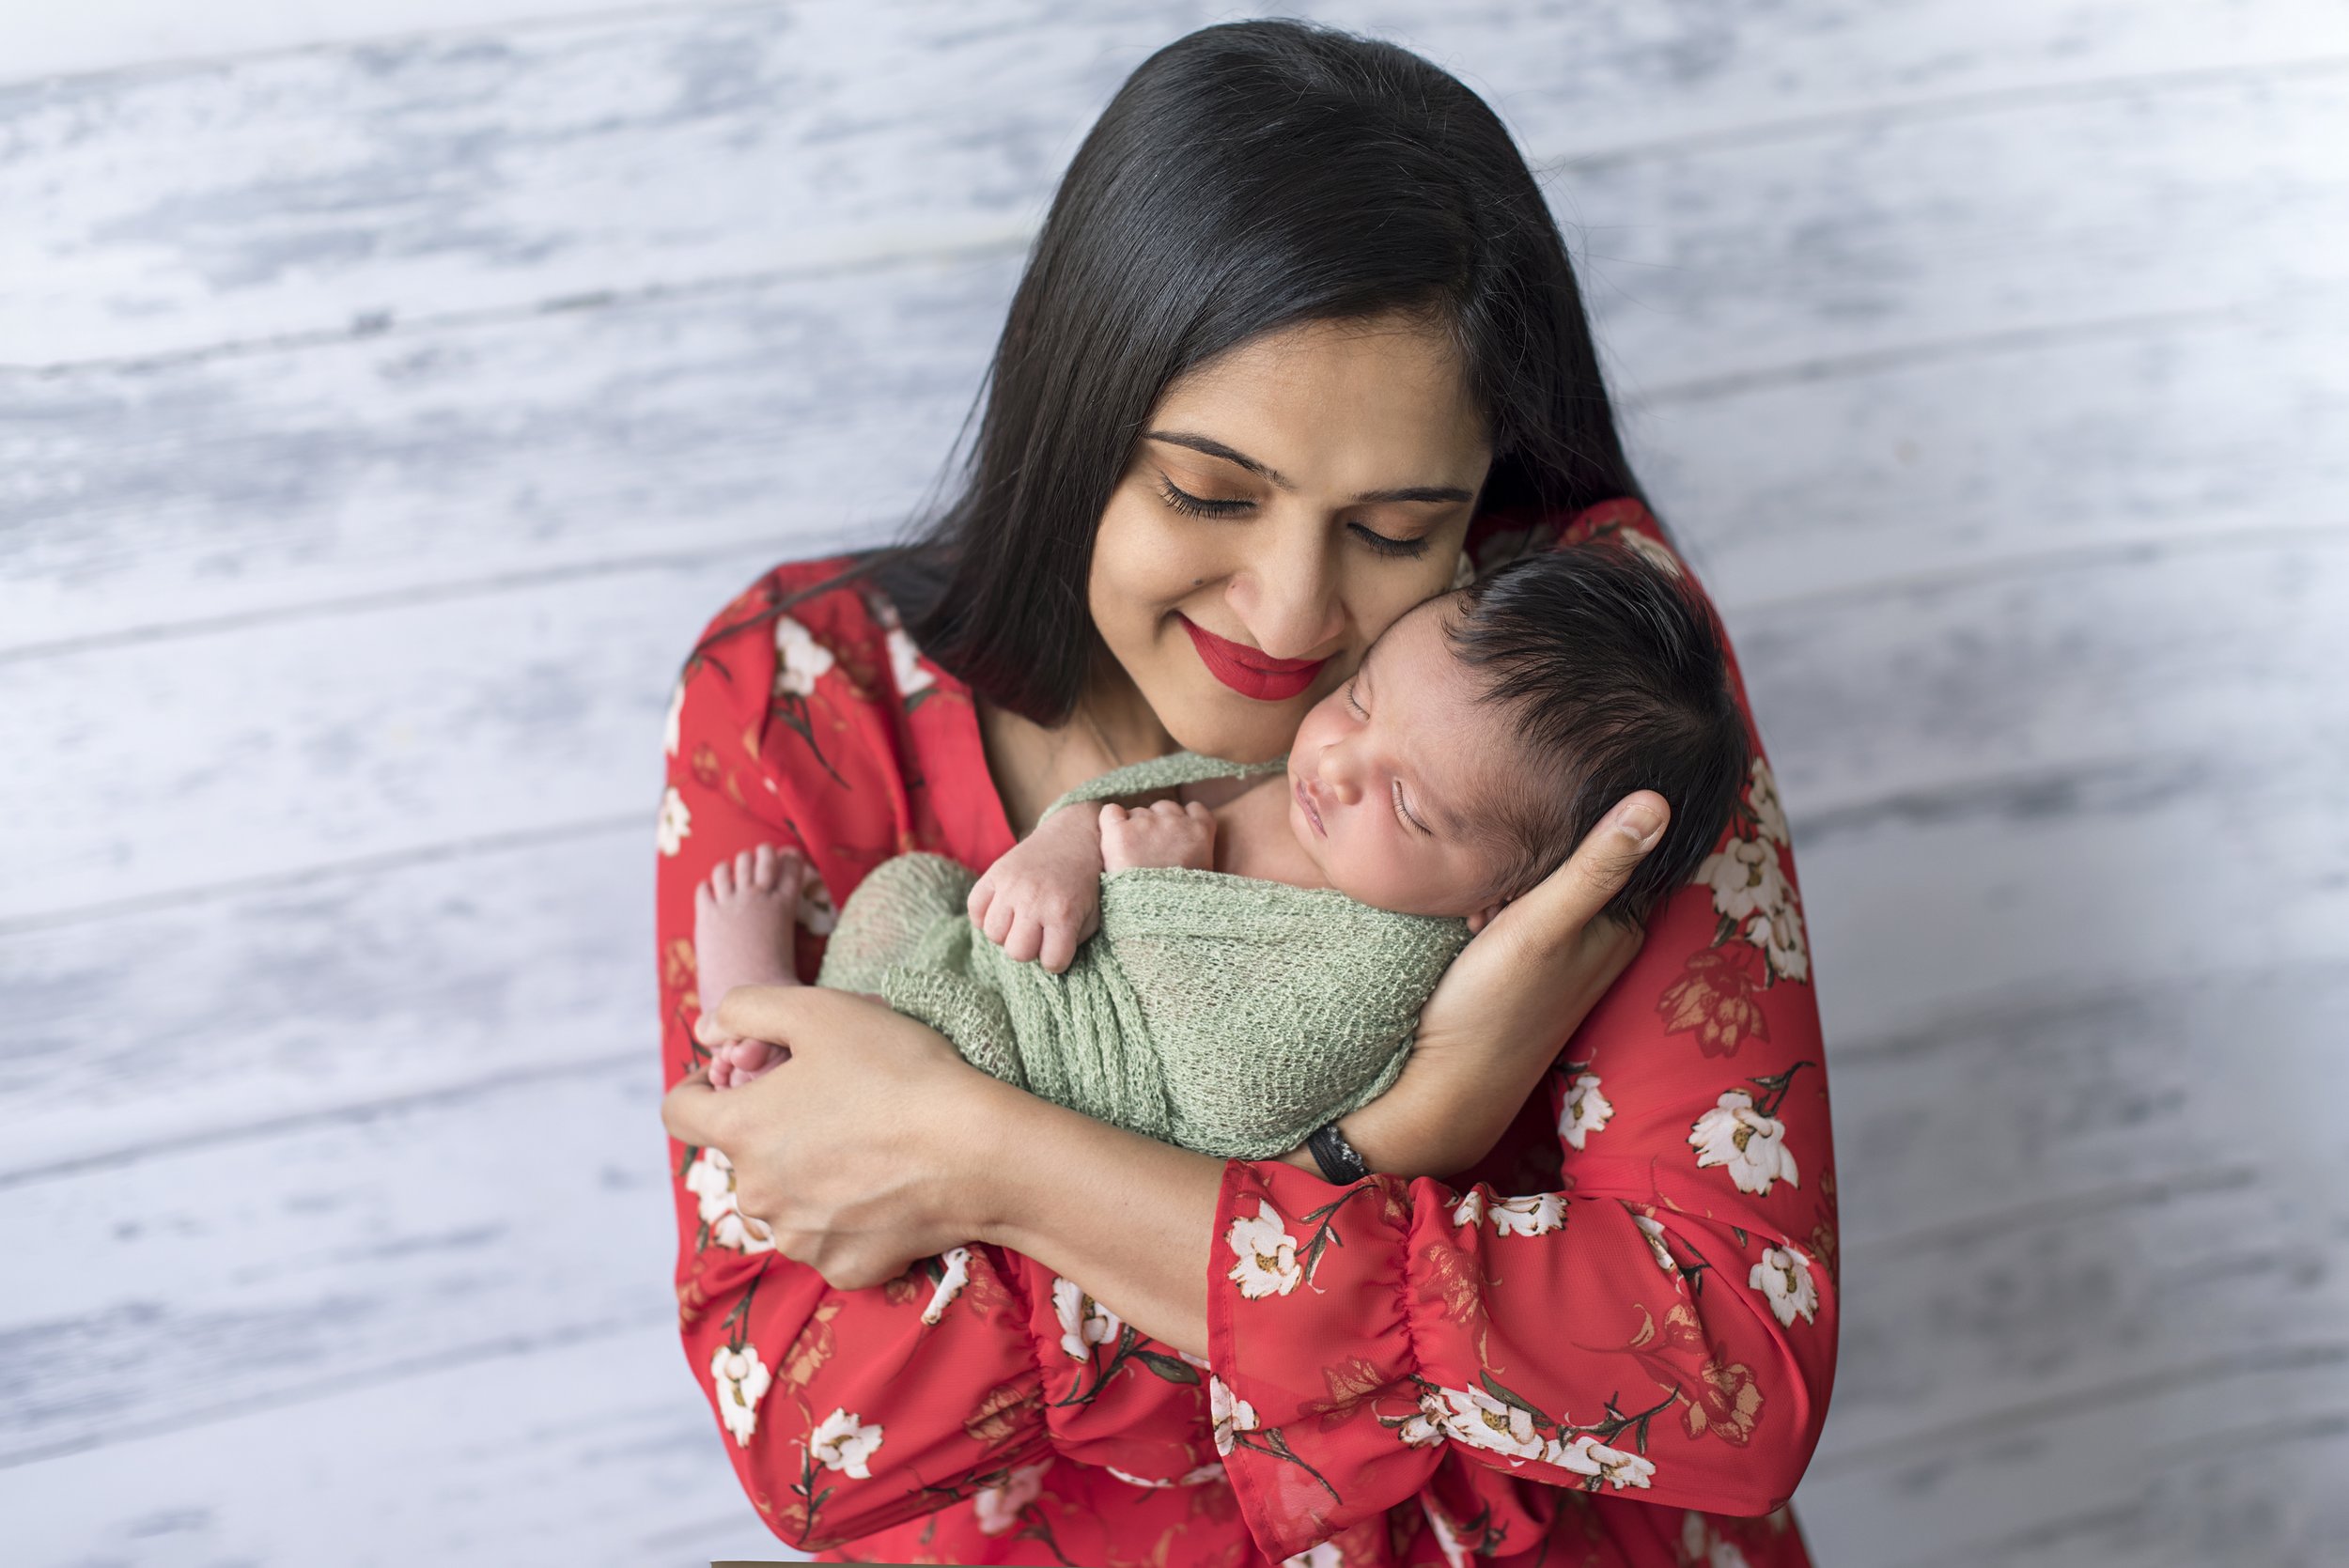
(1251,671)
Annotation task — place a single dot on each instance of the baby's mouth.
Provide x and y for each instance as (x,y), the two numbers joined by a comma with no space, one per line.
(1312,813)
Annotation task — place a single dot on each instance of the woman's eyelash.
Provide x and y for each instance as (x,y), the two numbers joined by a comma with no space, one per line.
(1386,546)
(1198,505)
(1201,506)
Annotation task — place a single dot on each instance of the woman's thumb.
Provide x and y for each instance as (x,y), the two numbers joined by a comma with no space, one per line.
(1571,898)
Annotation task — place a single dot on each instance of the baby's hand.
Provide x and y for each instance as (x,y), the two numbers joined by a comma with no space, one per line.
(1044,896)
(1164,837)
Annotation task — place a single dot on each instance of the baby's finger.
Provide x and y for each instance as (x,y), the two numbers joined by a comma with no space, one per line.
(982,894)
(1060,946)
(1198,812)
(1000,916)
(1025,941)
(1111,814)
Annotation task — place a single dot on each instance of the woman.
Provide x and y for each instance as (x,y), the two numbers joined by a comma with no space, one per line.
(1299,343)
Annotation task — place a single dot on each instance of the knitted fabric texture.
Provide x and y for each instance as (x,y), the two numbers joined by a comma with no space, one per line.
(1227,1015)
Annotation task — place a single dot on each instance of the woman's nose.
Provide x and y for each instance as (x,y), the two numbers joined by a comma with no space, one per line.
(1287,598)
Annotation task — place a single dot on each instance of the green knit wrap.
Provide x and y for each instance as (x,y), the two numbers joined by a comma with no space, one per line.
(1224,1013)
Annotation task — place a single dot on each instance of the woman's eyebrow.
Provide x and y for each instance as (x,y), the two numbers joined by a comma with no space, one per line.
(1210,446)
(1214,448)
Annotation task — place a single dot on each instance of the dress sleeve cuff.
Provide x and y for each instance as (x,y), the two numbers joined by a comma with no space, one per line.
(1312,1382)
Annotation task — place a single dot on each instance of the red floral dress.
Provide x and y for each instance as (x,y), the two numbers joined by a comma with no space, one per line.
(1613,1346)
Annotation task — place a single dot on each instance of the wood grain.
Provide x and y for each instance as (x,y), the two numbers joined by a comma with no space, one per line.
(380,416)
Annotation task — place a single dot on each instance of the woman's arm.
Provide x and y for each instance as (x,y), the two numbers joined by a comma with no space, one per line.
(1357,1334)
(843,1410)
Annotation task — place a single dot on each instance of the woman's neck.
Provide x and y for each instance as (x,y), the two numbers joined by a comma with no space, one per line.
(1032,766)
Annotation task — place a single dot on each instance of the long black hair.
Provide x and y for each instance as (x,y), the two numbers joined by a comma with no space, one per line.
(1247,177)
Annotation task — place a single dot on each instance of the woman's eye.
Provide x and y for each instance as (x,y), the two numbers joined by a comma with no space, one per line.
(1385,545)
(1198,505)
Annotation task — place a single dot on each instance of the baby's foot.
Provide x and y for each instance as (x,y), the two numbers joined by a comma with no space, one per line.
(736,1061)
(744,917)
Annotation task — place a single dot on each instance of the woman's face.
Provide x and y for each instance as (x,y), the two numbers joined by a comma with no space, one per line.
(1286,501)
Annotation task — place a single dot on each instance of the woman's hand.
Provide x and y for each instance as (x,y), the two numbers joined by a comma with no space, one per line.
(856,1149)
(1504,1008)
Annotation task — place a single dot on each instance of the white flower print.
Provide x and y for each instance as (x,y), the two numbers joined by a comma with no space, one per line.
(1585,1111)
(1471,1208)
(1701,1548)
(676,822)
(1232,1415)
(710,1180)
(1142,1481)
(1587,1455)
(841,1443)
(816,913)
(799,658)
(1454,1555)
(1537,1213)
(1650,551)
(998,1506)
(1324,1556)
(957,1261)
(1083,1322)
(1779,935)
(1655,1235)
(1425,1428)
(1480,1421)
(905,664)
(1762,794)
(740,1380)
(1267,1255)
(1745,878)
(1784,1277)
(1199,1475)
(1199,1362)
(672,730)
(1751,1145)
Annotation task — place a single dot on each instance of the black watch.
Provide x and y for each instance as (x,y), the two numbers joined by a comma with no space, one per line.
(1338,1163)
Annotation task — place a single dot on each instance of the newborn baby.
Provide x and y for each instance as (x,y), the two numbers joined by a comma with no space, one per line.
(1268,933)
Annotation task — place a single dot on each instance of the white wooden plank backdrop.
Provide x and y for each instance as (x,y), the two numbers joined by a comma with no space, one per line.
(387,395)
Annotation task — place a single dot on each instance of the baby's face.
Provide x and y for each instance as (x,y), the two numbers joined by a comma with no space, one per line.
(1387,772)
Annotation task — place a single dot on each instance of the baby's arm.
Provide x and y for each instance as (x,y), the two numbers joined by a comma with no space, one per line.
(1043,897)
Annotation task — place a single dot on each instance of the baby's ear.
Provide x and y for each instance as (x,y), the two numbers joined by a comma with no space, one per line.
(1483,917)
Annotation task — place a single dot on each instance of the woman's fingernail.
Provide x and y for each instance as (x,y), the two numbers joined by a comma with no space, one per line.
(1642,824)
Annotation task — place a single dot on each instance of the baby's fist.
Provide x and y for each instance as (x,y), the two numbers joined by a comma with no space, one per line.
(1164,837)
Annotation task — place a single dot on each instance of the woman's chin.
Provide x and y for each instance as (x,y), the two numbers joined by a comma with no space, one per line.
(1237,728)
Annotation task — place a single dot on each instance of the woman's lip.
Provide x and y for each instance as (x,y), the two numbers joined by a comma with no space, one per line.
(1312,813)
(1251,671)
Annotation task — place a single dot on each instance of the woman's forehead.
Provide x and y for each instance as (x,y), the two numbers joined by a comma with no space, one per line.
(1323,402)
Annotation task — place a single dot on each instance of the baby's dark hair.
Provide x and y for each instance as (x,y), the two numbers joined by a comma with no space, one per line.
(1615,676)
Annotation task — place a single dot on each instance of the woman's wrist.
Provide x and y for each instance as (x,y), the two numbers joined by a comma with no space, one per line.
(1128,1218)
